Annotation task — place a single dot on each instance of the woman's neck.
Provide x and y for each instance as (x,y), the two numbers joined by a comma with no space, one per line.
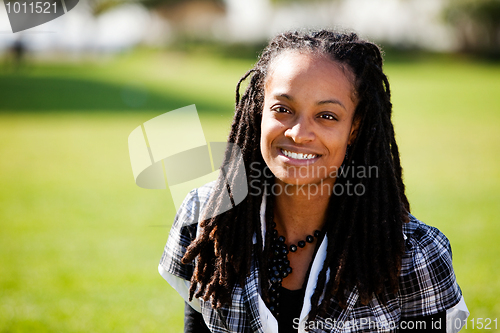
(300,210)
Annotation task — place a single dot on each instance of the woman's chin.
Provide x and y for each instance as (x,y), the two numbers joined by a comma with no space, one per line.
(305,182)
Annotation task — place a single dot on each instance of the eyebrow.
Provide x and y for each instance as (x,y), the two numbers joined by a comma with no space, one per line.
(328,101)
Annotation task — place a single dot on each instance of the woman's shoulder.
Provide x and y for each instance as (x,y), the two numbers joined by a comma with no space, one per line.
(185,226)
(201,194)
(194,202)
(427,280)
(425,238)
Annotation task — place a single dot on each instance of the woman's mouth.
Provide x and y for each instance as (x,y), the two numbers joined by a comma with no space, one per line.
(298,156)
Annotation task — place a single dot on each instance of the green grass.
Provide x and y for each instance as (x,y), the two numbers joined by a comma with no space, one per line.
(80,242)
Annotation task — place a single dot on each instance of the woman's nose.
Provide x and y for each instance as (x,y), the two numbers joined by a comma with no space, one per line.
(300,132)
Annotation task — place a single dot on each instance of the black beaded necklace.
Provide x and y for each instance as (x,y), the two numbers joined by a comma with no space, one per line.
(280,265)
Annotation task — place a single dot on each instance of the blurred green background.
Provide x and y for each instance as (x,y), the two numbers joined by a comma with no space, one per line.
(80,242)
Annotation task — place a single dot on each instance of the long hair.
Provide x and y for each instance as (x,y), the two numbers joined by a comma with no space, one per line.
(365,240)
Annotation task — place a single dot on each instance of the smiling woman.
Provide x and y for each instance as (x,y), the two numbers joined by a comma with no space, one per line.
(300,254)
(307,119)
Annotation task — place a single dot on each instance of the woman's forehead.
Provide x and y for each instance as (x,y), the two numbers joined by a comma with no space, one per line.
(286,67)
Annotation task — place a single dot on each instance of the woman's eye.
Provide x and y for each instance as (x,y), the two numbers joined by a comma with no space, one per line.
(281,109)
(328,116)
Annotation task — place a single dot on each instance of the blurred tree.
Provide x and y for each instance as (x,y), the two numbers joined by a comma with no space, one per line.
(175,3)
(477,23)
(189,19)
(186,19)
(279,2)
(98,7)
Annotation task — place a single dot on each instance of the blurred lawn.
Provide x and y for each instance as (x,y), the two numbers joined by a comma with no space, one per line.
(80,242)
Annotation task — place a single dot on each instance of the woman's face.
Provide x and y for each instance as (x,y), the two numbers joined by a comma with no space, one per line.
(307,120)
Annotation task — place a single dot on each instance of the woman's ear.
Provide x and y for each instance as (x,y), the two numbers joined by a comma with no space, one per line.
(354,130)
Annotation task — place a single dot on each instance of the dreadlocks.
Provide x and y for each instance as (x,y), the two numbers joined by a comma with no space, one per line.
(365,241)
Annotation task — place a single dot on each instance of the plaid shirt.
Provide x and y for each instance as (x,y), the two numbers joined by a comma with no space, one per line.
(427,284)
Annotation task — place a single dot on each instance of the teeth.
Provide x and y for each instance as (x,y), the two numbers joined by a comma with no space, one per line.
(298,156)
